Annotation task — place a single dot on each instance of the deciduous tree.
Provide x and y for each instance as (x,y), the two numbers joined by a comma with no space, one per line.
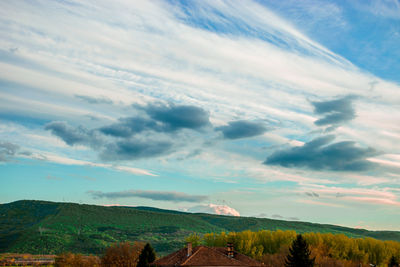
(122,255)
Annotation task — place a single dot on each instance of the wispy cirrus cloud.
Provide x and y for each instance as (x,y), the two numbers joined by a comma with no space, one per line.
(54,158)
(339,196)
(217,68)
(380,8)
(94,100)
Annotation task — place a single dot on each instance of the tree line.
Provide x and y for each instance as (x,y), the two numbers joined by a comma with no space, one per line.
(125,254)
(272,247)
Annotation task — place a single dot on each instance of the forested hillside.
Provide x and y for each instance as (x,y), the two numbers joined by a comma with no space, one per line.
(41,227)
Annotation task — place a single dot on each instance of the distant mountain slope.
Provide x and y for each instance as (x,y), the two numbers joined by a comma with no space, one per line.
(50,227)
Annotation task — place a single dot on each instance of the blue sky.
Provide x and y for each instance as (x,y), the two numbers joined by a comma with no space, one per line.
(278,109)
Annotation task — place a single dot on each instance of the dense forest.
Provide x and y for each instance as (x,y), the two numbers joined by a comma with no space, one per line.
(272,247)
(41,227)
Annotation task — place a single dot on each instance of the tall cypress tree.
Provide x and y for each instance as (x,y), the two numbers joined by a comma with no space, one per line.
(299,254)
(147,256)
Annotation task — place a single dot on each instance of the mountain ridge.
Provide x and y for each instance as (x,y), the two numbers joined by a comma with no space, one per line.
(42,227)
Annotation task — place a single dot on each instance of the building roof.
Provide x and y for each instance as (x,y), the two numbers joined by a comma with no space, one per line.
(205,256)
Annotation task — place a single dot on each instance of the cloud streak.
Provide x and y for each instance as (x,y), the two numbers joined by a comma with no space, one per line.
(94,100)
(153,195)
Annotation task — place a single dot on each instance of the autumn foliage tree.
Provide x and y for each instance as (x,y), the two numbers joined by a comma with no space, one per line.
(271,247)
(76,260)
(124,254)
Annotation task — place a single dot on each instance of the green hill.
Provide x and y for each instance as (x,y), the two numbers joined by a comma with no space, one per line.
(41,227)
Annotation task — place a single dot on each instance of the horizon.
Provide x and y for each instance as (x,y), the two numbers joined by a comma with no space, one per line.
(284,110)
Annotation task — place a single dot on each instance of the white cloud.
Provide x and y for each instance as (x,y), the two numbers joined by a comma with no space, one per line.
(214,209)
(70,161)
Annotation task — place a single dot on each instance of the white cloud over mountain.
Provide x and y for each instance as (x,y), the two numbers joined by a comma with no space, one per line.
(214,209)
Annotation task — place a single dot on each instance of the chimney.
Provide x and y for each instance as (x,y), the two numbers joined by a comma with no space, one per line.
(189,249)
(230,250)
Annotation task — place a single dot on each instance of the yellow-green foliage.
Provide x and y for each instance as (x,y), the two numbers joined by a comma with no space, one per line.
(195,239)
(254,244)
(339,246)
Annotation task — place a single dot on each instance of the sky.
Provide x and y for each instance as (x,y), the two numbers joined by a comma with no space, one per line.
(278,109)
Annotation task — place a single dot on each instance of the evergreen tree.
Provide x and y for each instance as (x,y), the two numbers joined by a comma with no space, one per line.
(393,262)
(147,256)
(299,254)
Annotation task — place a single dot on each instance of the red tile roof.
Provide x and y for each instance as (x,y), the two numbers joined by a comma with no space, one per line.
(205,256)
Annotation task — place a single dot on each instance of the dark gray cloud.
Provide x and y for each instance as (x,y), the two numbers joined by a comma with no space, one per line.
(25,153)
(94,100)
(150,133)
(277,216)
(125,149)
(339,195)
(175,117)
(129,126)
(154,195)
(159,118)
(335,111)
(71,135)
(135,149)
(311,194)
(322,154)
(242,129)
(7,151)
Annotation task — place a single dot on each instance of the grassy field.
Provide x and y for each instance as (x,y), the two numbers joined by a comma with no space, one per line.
(41,227)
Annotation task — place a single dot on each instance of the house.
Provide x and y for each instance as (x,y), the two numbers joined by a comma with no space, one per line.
(206,256)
